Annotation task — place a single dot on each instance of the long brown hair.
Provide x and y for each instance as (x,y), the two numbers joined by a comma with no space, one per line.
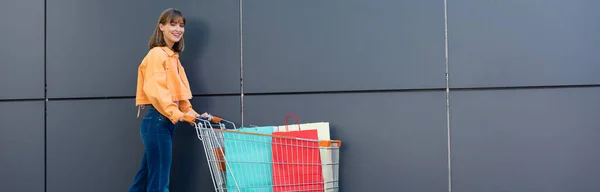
(157,39)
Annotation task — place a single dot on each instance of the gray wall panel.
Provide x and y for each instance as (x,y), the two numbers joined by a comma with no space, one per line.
(526,140)
(95,54)
(22,146)
(212,52)
(316,45)
(92,145)
(391,141)
(22,66)
(190,170)
(102,45)
(102,137)
(505,43)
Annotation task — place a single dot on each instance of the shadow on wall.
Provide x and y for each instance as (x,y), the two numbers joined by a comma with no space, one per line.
(189,171)
(197,35)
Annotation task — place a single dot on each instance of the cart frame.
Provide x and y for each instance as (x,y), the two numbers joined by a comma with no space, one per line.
(243,161)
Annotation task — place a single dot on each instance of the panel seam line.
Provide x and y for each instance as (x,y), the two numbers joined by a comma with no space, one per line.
(446,63)
(45,98)
(241,2)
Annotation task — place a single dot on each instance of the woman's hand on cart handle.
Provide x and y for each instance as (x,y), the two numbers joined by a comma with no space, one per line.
(209,117)
(204,116)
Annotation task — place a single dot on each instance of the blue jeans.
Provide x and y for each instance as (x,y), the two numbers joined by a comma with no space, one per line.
(157,135)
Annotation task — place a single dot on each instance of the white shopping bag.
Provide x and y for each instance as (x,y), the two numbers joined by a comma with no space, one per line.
(323,134)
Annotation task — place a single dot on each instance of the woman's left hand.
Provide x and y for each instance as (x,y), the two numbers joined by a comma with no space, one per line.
(205,116)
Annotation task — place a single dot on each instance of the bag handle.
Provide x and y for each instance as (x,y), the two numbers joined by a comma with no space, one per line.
(286,121)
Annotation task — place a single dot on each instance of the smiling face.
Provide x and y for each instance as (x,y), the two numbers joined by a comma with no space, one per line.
(173,30)
(169,31)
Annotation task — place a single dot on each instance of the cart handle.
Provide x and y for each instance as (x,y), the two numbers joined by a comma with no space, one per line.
(211,118)
(216,120)
(297,121)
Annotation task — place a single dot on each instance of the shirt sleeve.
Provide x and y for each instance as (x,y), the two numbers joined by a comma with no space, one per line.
(155,88)
(185,106)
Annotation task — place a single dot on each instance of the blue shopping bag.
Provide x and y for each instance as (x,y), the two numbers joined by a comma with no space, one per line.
(249,159)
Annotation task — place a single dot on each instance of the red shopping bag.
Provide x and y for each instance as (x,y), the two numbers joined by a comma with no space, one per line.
(296,162)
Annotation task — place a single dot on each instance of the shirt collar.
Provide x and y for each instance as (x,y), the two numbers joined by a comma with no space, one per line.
(170,52)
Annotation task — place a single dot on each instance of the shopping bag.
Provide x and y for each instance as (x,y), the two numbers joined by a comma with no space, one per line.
(296,163)
(326,156)
(248,158)
(321,127)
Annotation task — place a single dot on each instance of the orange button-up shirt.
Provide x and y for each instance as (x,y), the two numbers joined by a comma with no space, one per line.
(163,83)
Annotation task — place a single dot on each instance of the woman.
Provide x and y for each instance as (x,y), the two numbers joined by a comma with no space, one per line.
(163,88)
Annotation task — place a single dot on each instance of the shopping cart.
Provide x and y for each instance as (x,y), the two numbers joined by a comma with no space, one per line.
(242,160)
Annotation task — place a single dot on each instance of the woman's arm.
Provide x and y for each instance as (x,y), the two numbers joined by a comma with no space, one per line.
(155,87)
